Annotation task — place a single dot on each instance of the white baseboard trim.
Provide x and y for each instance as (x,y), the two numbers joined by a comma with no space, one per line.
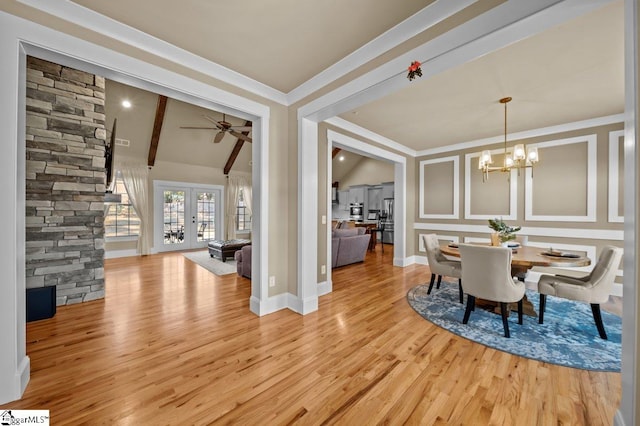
(402,262)
(283,301)
(268,306)
(15,386)
(325,287)
(617,289)
(113,254)
(421,260)
(24,372)
(302,306)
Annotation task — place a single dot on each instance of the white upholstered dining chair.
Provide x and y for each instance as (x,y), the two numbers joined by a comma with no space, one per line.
(593,288)
(439,265)
(486,273)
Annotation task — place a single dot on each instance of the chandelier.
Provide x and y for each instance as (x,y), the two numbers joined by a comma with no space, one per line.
(522,158)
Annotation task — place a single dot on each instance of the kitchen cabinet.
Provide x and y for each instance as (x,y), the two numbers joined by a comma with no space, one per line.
(387,190)
(374,199)
(357,195)
(343,200)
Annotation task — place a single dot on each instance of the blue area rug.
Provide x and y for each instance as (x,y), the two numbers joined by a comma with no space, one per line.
(568,336)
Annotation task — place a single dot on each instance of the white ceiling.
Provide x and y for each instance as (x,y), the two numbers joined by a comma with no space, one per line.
(571,72)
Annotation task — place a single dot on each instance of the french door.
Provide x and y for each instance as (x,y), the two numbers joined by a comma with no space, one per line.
(186,216)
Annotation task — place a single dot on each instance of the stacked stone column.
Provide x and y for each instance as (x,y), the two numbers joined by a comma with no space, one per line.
(65,181)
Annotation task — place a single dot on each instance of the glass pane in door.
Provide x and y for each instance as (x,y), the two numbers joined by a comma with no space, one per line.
(173,214)
(206,216)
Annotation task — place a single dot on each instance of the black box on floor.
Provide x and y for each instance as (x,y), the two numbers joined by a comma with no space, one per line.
(41,303)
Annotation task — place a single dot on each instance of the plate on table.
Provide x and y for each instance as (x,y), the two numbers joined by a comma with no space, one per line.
(562,254)
(513,245)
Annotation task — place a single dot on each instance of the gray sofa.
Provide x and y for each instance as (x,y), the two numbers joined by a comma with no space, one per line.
(348,246)
(243,261)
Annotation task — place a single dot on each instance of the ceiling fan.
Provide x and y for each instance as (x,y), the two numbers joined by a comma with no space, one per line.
(223,127)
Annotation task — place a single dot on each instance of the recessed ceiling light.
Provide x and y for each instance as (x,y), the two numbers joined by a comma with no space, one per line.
(341,158)
(126,103)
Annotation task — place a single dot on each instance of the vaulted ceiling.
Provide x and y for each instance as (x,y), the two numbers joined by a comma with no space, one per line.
(185,146)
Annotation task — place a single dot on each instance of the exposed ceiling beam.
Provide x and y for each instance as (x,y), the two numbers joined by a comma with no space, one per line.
(157,127)
(335,152)
(236,150)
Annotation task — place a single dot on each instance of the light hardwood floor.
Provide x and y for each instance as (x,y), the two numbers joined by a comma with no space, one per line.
(174,344)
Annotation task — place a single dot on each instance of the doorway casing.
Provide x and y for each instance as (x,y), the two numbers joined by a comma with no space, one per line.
(21,38)
(342,141)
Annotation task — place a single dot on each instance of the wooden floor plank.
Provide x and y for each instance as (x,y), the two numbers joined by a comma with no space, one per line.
(174,344)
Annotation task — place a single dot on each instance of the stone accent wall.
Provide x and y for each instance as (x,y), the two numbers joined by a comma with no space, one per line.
(65,186)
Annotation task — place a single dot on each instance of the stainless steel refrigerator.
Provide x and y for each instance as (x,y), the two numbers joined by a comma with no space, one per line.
(387,209)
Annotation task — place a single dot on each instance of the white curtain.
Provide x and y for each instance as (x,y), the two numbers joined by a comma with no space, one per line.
(235,183)
(135,177)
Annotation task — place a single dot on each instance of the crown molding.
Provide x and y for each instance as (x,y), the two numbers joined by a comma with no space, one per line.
(80,15)
(543,131)
(410,27)
(426,18)
(368,134)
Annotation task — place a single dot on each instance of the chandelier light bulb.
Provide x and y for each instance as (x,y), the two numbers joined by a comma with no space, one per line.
(519,152)
(522,157)
(485,159)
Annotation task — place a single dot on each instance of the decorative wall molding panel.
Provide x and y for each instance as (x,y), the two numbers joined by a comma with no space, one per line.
(469,160)
(614,175)
(590,187)
(455,179)
(574,233)
(422,248)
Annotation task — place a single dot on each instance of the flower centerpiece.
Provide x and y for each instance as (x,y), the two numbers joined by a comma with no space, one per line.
(414,70)
(502,231)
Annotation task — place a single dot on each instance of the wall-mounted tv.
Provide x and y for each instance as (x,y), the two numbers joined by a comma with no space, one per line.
(108,155)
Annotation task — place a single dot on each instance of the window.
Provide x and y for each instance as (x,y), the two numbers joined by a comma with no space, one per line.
(243,218)
(120,220)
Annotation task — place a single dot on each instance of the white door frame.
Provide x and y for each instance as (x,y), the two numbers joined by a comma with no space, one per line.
(339,140)
(19,38)
(159,186)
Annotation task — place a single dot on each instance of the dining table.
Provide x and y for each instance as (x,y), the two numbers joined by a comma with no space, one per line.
(524,258)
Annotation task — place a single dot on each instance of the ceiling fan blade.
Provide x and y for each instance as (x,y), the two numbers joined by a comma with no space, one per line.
(241,128)
(191,127)
(218,137)
(240,136)
(210,119)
